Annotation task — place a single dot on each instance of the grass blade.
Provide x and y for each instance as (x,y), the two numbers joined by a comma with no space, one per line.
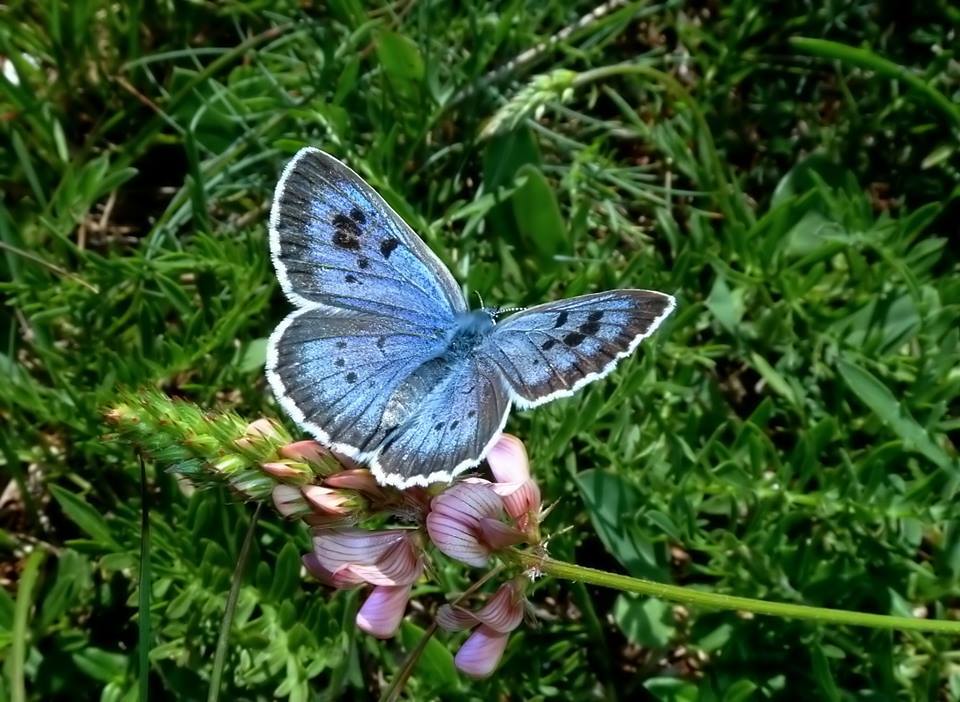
(143,605)
(882,402)
(863,58)
(220,657)
(18,651)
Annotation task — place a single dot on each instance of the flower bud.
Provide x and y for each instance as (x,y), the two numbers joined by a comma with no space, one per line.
(290,502)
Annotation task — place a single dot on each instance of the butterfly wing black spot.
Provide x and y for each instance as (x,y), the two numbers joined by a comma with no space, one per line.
(387,246)
(346,240)
(573,339)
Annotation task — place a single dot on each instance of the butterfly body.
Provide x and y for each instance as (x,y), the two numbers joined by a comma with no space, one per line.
(382,359)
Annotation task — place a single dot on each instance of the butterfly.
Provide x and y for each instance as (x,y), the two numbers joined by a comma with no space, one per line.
(382,359)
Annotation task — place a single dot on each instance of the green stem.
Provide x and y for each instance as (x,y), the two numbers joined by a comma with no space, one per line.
(21,615)
(862,58)
(690,596)
(220,657)
(143,630)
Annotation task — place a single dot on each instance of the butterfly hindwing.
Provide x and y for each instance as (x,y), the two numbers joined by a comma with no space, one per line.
(462,405)
(552,350)
(336,242)
(337,372)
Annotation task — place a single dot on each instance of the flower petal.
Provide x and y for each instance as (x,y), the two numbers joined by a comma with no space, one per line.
(468,501)
(281,470)
(383,610)
(496,535)
(521,500)
(308,451)
(289,501)
(341,579)
(359,479)
(457,540)
(504,611)
(481,652)
(258,430)
(455,618)
(340,547)
(400,565)
(508,460)
(263,427)
(330,501)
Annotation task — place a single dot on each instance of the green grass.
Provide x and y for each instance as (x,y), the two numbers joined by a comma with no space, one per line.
(790,433)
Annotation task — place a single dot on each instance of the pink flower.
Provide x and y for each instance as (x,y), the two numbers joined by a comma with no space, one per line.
(388,559)
(481,652)
(520,494)
(383,610)
(464,522)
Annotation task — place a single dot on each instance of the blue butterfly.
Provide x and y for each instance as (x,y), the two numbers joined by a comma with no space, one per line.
(383,361)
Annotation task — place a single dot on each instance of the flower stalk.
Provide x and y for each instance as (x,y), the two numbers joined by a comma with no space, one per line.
(713,600)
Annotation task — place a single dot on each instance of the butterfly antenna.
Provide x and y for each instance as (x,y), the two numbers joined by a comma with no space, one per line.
(479,297)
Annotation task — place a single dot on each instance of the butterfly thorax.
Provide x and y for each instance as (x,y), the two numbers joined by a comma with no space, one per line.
(469,330)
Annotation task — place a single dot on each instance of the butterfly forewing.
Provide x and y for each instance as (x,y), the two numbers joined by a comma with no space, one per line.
(552,350)
(336,242)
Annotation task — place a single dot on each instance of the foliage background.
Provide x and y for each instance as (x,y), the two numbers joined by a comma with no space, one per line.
(789,434)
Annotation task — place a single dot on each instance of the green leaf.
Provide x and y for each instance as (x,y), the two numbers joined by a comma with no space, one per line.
(672,690)
(612,503)
(740,691)
(877,396)
(726,306)
(645,621)
(103,666)
(538,216)
(400,57)
(84,516)
(823,675)
(254,356)
(435,667)
(286,574)
(776,381)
